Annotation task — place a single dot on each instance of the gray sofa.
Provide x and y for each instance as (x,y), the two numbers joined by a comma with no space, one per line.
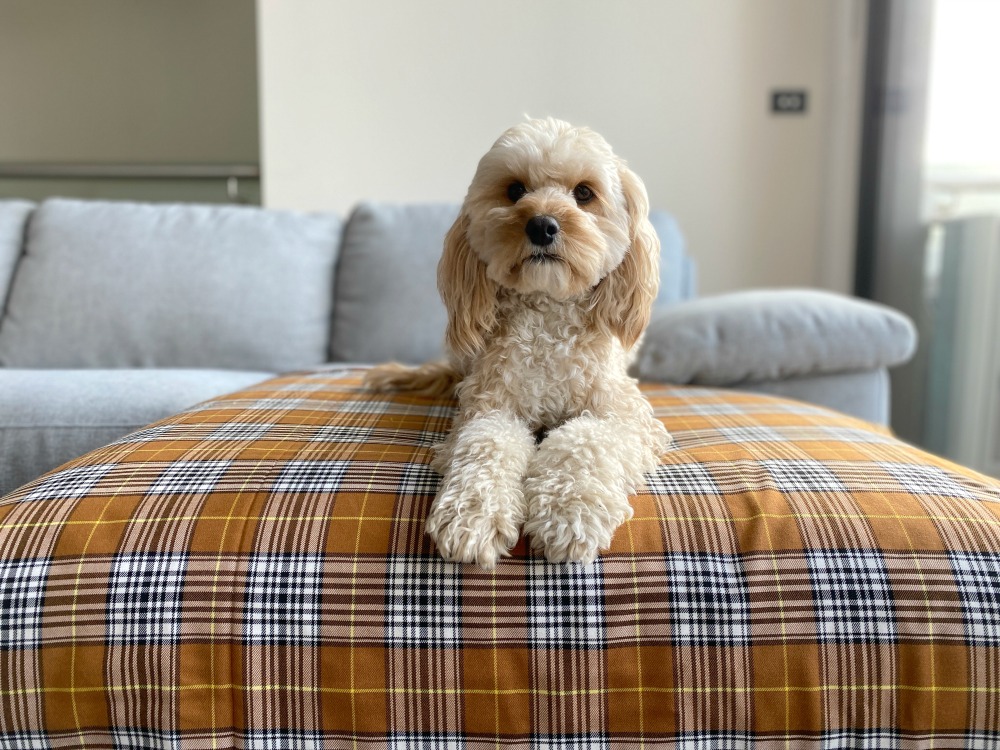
(118,314)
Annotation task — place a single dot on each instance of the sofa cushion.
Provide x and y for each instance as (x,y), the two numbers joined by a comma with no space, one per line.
(677,270)
(258,568)
(13,220)
(48,417)
(386,305)
(772,334)
(115,284)
(863,394)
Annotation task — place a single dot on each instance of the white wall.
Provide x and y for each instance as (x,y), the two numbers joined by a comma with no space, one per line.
(127,81)
(397,100)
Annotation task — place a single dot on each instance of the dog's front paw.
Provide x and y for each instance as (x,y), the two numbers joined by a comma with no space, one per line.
(476,524)
(572,519)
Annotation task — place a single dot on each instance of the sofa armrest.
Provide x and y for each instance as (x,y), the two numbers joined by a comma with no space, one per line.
(771,335)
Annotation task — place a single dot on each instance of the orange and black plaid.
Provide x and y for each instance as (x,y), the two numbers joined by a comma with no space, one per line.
(254,573)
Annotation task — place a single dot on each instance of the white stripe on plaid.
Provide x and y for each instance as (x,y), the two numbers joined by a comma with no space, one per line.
(565,605)
(803,476)
(37,740)
(336,433)
(751,434)
(280,739)
(572,741)
(149,434)
(682,480)
(708,596)
(847,435)
(396,477)
(249,431)
(124,736)
(189,478)
(978,578)
(282,602)
(418,479)
(22,586)
(924,479)
(72,482)
(423,602)
(315,477)
(144,598)
(783,434)
(240,431)
(423,741)
(853,599)
(310,476)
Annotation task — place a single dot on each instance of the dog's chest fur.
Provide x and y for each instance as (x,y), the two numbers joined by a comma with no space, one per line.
(545,362)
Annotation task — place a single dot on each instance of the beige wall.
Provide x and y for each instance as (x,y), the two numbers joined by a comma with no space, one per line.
(396,100)
(128,81)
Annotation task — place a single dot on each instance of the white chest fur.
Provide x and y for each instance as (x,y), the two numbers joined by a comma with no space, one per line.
(546,363)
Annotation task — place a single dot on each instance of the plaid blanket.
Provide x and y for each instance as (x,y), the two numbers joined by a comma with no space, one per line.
(253,573)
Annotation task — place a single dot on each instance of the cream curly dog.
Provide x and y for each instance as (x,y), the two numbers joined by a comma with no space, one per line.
(548,275)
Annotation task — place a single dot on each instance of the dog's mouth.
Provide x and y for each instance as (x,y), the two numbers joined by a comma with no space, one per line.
(541,257)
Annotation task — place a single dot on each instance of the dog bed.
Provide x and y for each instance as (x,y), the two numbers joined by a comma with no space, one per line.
(253,573)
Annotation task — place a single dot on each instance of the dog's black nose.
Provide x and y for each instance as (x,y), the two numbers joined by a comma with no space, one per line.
(542,230)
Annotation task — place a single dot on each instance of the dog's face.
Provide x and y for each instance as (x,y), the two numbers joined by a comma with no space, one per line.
(546,210)
(550,210)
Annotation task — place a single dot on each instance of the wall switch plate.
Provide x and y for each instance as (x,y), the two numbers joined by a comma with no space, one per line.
(789,101)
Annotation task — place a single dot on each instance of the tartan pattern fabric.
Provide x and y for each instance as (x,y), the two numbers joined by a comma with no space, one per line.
(254,573)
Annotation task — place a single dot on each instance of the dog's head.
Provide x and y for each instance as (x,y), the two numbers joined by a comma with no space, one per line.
(551,210)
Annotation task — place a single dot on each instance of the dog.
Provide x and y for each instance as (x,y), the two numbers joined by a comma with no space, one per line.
(549,276)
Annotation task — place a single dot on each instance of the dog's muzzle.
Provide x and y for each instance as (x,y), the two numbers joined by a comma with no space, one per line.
(542,230)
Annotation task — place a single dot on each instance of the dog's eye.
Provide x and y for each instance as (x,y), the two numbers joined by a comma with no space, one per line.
(516,191)
(583,194)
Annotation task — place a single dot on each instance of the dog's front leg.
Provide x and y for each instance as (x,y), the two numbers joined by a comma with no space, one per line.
(579,481)
(477,514)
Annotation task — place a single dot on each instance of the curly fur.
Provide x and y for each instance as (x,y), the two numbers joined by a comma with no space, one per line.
(540,338)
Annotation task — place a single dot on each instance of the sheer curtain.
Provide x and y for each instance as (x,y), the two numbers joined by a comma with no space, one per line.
(928,232)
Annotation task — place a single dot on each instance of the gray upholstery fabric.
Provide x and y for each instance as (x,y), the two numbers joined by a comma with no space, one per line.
(48,417)
(861,394)
(386,301)
(771,335)
(387,305)
(106,284)
(677,271)
(13,220)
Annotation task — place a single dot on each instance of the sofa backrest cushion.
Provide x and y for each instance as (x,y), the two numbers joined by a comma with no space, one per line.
(386,304)
(115,284)
(13,221)
(677,270)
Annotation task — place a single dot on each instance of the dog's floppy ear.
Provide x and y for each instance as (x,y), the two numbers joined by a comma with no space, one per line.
(469,296)
(623,301)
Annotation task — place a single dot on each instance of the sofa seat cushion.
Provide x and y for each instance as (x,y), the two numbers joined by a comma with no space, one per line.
(108,284)
(863,394)
(254,572)
(48,417)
